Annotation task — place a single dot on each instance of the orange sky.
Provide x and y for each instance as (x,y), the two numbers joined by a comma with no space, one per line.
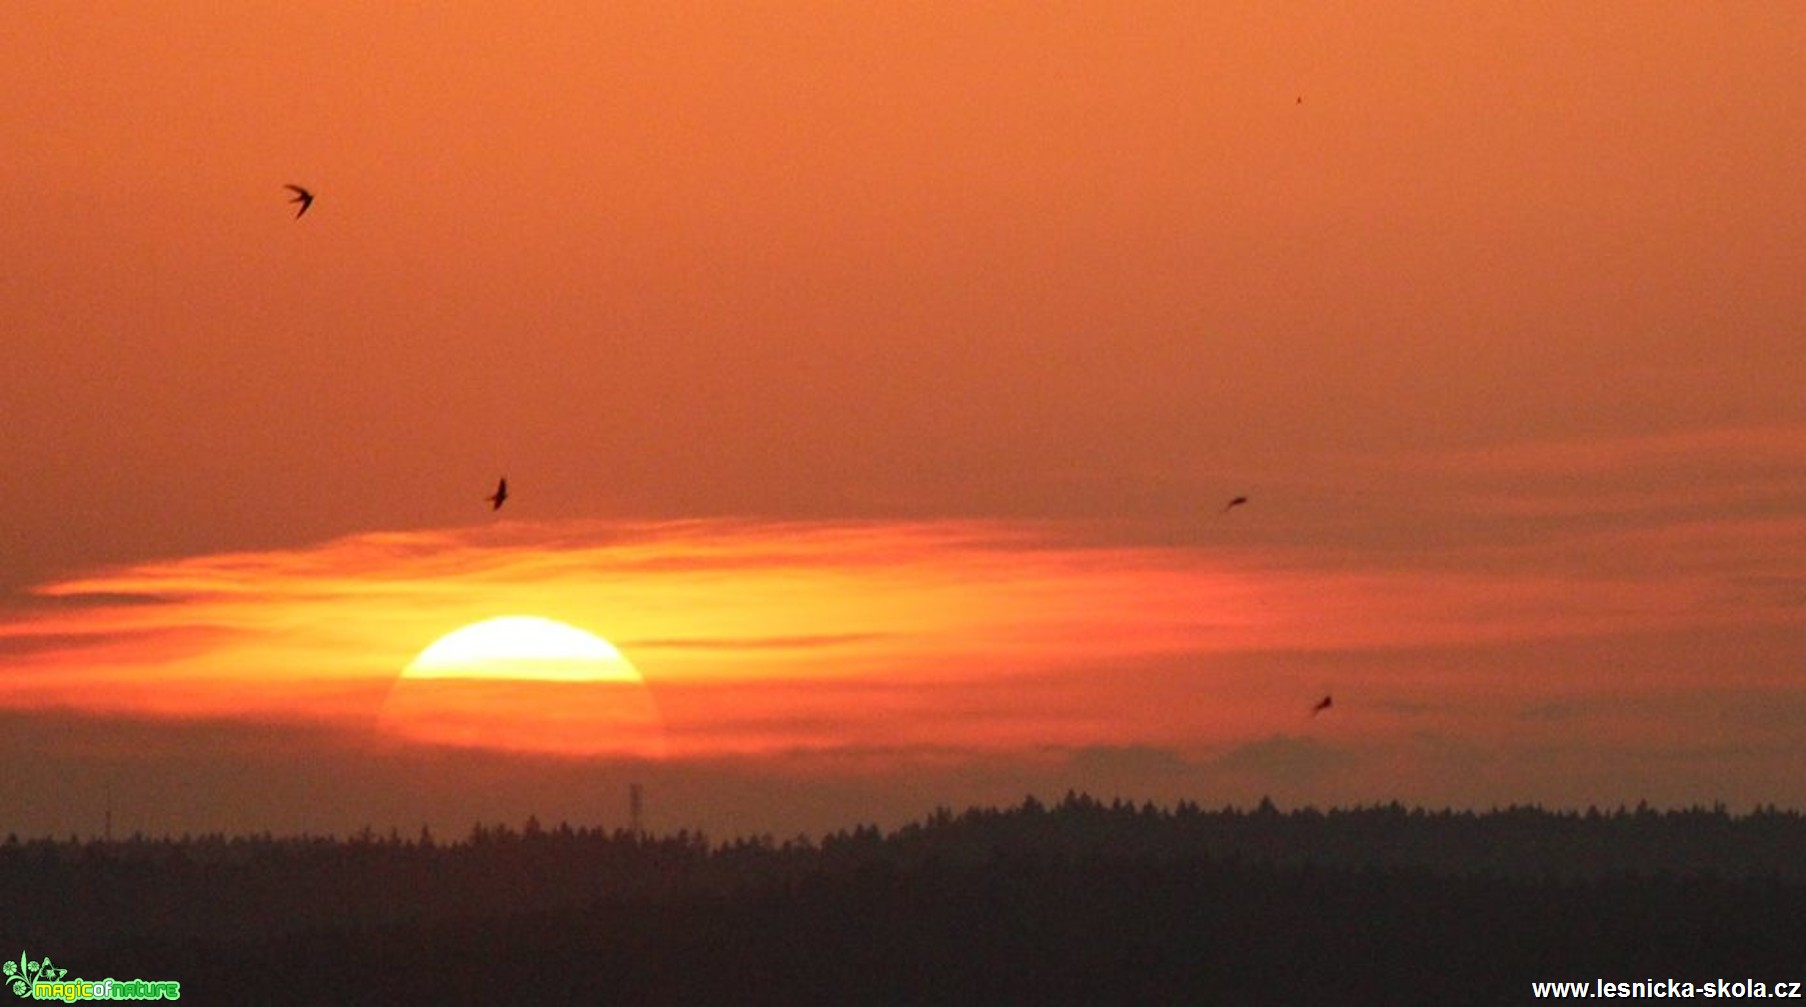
(872,375)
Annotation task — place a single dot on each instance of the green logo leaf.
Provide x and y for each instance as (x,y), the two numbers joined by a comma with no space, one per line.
(18,971)
(24,972)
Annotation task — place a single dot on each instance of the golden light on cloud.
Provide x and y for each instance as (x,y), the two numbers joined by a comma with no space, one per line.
(525,683)
(757,638)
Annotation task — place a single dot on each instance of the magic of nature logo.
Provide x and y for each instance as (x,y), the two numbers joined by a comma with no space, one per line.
(41,980)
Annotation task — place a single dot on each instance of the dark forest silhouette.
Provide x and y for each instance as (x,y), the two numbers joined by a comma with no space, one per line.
(1080,901)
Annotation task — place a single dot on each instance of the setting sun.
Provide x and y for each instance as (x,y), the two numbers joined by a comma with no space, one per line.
(524,647)
(525,683)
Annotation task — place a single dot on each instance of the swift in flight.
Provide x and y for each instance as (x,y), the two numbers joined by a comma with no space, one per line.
(1231,505)
(1322,704)
(500,496)
(302,196)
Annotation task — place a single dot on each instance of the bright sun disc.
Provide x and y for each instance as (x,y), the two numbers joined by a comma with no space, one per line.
(523,683)
(522,646)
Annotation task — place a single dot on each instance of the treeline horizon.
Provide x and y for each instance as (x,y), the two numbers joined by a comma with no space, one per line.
(1265,809)
(1515,840)
(1105,902)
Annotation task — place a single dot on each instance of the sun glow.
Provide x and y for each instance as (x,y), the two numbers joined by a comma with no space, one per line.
(522,647)
(525,683)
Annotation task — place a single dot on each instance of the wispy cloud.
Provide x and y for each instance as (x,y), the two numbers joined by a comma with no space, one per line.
(811,642)
(766,636)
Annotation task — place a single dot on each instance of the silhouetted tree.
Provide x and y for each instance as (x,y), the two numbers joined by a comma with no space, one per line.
(1081,901)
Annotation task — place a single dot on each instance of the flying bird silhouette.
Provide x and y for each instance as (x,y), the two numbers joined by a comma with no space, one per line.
(302,196)
(1322,704)
(500,496)
(1231,505)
